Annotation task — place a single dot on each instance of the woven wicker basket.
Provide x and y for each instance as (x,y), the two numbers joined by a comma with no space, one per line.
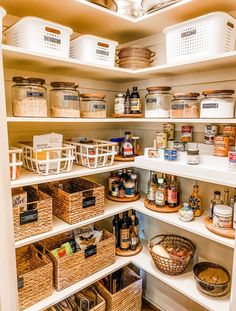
(171,266)
(75,267)
(86,203)
(42,221)
(34,272)
(127,299)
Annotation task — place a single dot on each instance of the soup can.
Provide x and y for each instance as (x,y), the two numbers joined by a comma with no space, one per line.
(170,130)
(209,134)
(187,133)
(171,154)
(230,130)
(221,146)
(232,161)
(179,145)
(161,140)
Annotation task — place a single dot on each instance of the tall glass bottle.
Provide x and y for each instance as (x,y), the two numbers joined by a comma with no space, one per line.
(135,103)
(216,200)
(152,187)
(127,146)
(134,239)
(195,201)
(125,232)
(127,102)
(173,192)
(226,199)
(160,193)
(116,223)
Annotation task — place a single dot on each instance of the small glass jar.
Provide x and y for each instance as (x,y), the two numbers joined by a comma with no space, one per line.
(217,104)
(64,100)
(185,105)
(29,97)
(157,102)
(193,157)
(93,105)
(119,107)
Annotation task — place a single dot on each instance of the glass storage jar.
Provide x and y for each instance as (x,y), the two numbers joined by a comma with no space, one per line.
(93,105)
(157,102)
(185,105)
(217,104)
(64,100)
(29,97)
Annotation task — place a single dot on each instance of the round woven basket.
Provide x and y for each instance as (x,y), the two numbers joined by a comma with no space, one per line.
(171,266)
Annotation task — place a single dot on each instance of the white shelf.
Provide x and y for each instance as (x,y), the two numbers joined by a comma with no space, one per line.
(213,170)
(59,226)
(118,120)
(28,178)
(78,14)
(184,283)
(22,59)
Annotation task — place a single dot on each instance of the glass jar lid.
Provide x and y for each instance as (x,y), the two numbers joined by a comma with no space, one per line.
(64,85)
(218,92)
(186,95)
(192,152)
(87,96)
(28,80)
(158,89)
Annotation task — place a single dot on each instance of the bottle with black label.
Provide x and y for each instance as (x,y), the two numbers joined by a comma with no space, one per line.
(127,102)
(125,232)
(116,229)
(135,104)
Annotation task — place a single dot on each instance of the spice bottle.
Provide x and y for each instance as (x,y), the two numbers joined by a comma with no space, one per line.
(127,146)
(215,201)
(195,202)
(135,104)
(127,102)
(172,199)
(125,232)
(160,193)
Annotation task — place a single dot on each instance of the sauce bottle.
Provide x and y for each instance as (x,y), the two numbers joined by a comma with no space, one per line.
(127,102)
(127,149)
(135,103)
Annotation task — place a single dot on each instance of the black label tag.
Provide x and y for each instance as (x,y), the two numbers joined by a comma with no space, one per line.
(90,201)
(20,282)
(71,97)
(90,251)
(52,39)
(210,106)
(35,94)
(188,33)
(28,217)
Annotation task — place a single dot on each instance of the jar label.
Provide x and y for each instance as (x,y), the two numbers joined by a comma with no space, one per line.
(98,107)
(210,106)
(151,194)
(135,104)
(127,149)
(177,106)
(35,94)
(71,97)
(172,196)
(160,198)
(52,39)
(151,100)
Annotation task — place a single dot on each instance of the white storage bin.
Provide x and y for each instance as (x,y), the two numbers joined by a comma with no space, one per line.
(2,14)
(94,50)
(15,162)
(200,37)
(40,36)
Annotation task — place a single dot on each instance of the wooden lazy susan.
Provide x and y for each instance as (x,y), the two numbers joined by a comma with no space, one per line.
(122,159)
(128,253)
(117,199)
(227,233)
(138,115)
(165,209)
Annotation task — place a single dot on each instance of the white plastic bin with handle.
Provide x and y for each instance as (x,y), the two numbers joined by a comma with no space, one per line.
(2,14)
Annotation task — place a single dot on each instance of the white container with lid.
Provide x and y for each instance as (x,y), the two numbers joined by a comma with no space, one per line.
(94,50)
(223,217)
(39,35)
(217,104)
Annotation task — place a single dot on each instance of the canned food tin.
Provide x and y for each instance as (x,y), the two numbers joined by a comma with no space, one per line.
(221,146)
(179,145)
(210,133)
(170,154)
(230,131)
(232,161)
(170,130)
(153,153)
(186,133)
(161,140)
(193,157)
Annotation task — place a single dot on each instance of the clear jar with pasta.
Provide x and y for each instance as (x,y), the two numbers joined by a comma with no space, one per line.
(64,100)
(29,97)
(185,105)
(157,102)
(93,105)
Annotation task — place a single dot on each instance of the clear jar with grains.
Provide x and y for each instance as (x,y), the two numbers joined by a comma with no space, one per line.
(93,105)
(157,102)
(185,105)
(64,100)
(29,97)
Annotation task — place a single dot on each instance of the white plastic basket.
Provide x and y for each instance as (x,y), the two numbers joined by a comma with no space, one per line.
(48,161)
(98,154)
(2,14)
(94,50)
(200,37)
(38,35)
(15,162)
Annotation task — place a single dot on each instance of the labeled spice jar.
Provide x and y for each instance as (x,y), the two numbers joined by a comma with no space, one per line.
(119,107)
(186,133)
(170,130)
(209,134)
(64,100)
(161,140)
(221,146)
(232,161)
(193,157)
(223,217)
(93,105)
(29,97)
(157,102)
(185,105)
(230,131)
(217,104)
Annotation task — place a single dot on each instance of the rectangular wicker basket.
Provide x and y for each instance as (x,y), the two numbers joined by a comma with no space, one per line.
(37,220)
(77,266)
(87,202)
(34,272)
(127,299)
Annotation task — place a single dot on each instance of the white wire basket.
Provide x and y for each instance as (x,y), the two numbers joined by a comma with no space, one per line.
(48,161)
(40,35)
(15,162)
(200,37)
(99,153)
